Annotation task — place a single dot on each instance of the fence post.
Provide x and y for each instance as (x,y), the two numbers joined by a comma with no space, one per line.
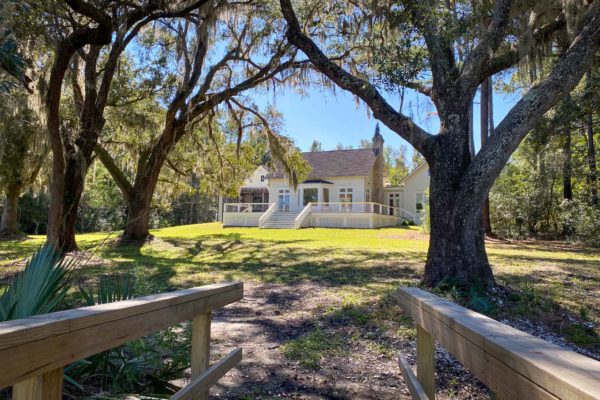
(47,386)
(200,348)
(426,362)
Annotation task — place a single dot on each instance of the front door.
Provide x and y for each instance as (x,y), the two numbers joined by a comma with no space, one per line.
(283,200)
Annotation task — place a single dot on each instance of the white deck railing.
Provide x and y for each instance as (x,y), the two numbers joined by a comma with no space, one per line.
(331,207)
(246,207)
(362,207)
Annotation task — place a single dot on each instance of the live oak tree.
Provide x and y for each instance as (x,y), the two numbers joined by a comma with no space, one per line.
(460,181)
(90,39)
(23,151)
(226,51)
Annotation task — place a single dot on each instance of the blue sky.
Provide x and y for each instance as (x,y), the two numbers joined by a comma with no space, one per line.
(334,118)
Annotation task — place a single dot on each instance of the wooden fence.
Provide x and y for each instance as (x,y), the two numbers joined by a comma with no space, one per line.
(35,350)
(513,364)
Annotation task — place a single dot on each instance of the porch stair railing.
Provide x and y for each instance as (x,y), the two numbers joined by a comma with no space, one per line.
(303,216)
(265,217)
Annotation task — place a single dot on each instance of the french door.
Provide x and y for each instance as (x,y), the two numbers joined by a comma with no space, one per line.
(283,200)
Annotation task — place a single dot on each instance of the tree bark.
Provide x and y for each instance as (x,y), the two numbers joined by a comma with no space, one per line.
(591,150)
(137,228)
(138,218)
(74,179)
(8,225)
(567,185)
(456,245)
(484,122)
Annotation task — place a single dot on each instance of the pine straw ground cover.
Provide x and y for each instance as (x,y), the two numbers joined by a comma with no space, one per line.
(319,319)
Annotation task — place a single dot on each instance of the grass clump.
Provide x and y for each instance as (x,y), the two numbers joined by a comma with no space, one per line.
(582,335)
(311,348)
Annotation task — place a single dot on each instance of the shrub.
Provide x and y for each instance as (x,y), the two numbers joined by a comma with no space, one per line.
(581,222)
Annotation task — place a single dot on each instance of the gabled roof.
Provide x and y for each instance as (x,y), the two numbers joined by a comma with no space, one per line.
(357,162)
(410,175)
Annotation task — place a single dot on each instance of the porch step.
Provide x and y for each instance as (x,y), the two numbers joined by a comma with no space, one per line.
(281,220)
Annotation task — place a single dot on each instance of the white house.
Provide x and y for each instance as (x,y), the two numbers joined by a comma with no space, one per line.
(345,188)
(411,194)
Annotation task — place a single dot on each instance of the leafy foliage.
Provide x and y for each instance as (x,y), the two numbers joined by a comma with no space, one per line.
(40,288)
(110,289)
(144,365)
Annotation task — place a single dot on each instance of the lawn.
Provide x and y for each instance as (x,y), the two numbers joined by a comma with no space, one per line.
(330,292)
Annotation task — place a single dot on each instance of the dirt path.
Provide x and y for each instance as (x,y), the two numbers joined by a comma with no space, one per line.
(271,315)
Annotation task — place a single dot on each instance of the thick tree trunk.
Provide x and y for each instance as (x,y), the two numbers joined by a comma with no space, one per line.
(457,241)
(8,226)
(456,245)
(74,178)
(138,219)
(484,123)
(591,150)
(567,185)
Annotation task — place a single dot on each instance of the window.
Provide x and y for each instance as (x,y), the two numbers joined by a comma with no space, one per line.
(311,195)
(394,202)
(346,195)
(262,178)
(367,195)
(283,200)
(420,201)
(325,195)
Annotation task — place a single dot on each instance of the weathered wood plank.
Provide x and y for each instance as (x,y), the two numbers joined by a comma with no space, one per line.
(95,329)
(426,361)
(414,386)
(46,386)
(20,331)
(208,378)
(515,365)
(200,349)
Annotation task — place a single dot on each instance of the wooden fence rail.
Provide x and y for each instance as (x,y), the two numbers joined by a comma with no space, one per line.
(512,363)
(35,350)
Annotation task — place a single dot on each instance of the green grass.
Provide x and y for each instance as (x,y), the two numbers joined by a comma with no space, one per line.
(310,348)
(359,267)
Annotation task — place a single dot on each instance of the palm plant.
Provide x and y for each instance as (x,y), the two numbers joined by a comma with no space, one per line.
(110,289)
(40,288)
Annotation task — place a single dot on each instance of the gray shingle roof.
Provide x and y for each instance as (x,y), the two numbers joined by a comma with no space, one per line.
(357,162)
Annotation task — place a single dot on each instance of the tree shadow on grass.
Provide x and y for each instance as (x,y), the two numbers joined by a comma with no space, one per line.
(545,246)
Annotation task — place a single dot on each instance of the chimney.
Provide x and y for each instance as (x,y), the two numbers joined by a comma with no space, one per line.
(378,170)
(377,141)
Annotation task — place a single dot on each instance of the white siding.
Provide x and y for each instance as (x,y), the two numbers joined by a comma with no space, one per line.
(416,182)
(255,181)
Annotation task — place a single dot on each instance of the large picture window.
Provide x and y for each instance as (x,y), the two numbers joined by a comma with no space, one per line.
(311,195)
